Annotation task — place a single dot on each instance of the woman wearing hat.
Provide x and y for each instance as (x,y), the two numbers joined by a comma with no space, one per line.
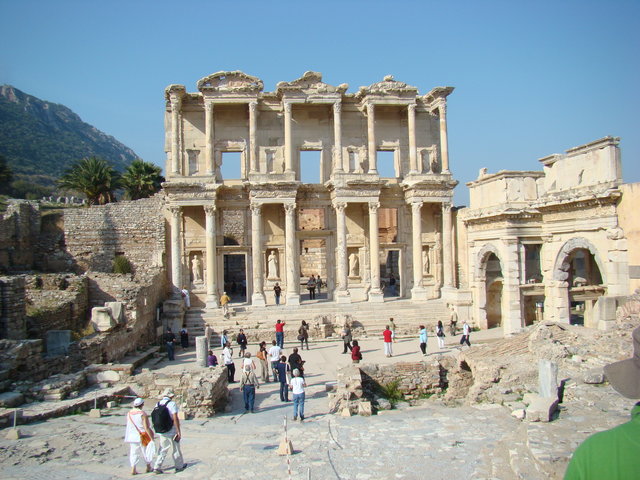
(138,434)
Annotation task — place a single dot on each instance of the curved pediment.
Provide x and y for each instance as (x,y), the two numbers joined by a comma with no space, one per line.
(310,84)
(230,82)
(388,87)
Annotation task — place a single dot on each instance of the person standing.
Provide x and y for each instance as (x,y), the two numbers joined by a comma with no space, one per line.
(277,291)
(280,333)
(453,321)
(212,360)
(392,326)
(138,434)
(224,303)
(274,358)
(346,338)
(297,388)
(169,341)
(184,338)
(167,426)
(311,286)
(296,362)
(282,373)
(262,358)
(440,334)
(242,341)
(388,338)
(303,335)
(356,354)
(224,339)
(248,385)
(227,355)
(319,284)
(466,332)
(423,340)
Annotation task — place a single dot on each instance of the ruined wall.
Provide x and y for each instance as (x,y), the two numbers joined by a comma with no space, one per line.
(415,379)
(19,229)
(12,308)
(629,221)
(94,236)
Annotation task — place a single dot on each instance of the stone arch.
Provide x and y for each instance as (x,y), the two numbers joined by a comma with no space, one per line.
(490,290)
(481,260)
(562,264)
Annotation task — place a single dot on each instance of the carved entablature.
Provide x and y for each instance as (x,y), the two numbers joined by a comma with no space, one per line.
(387,88)
(437,97)
(230,83)
(174,91)
(270,192)
(311,86)
(436,193)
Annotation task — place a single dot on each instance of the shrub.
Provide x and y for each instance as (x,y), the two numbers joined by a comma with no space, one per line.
(121,264)
(391,392)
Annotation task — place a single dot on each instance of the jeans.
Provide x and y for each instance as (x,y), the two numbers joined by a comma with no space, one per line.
(284,392)
(170,351)
(280,339)
(465,339)
(249,396)
(298,405)
(277,299)
(231,372)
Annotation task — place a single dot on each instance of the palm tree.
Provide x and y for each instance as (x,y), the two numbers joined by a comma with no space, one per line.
(141,179)
(93,177)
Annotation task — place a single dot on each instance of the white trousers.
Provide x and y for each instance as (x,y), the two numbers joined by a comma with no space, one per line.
(167,442)
(136,453)
(387,348)
(440,342)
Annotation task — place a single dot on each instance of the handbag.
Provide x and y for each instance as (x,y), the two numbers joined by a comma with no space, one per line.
(145,438)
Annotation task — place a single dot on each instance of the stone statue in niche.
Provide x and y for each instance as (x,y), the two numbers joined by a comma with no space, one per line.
(272,265)
(426,264)
(196,269)
(354,265)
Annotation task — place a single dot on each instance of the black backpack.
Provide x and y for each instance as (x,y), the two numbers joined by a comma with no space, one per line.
(161,418)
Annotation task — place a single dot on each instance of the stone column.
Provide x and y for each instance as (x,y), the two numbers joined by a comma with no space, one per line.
(202,345)
(418,292)
(447,243)
(212,264)
(342,291)
(256,255)
(511,311)
(337,137)
(209,136)
(288,147)
(411,121)
(176,104)
(176,251)
(375,294)
(444,144)
(253,122)
(371,136)
(291,253)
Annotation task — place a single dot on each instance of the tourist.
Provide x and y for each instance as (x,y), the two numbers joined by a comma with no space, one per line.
(453,321)
(262,358)
(274,358)
(423,340)
(248,385)
(297,388)
(247,361)
(440,334)
(169,341)
(356,354)
(227,356)
(614,453)
(184,338)
(392,286)
(466,331)
(212,360)
(296,362)
(277,290)
(282,373)
(388,338)
(138,435)
(311,286)
(242,341)
(224,339)
(346,338)
(167,427)
(184,293)
(224,303)
(392,326)
(319,284)
(303,335)
(280,333)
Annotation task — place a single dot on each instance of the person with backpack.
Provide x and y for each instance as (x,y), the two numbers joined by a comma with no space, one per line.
(242,341)
(167,427)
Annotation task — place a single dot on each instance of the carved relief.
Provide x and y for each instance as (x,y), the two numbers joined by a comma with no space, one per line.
(230,82)
(310,84)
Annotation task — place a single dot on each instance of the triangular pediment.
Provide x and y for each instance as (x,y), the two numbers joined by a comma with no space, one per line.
(388,87)
(310,84)
(230,82)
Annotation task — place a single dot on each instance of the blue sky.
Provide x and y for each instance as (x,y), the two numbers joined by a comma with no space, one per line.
(531,78)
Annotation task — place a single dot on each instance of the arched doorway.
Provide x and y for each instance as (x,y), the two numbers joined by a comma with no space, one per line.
(493,287)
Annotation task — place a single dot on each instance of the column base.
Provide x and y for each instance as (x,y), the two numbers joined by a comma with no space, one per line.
(212,302)
(292,300)
(419,293)
(257,300)
(448,293)
(376,296)
(342,296)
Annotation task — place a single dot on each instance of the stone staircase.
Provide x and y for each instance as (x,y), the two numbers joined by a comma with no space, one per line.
(258,322)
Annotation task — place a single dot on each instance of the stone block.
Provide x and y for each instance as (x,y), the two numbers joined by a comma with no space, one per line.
(108,376)
(519,413)
(13,434)
(95,413)
(594,377)
(547,379)
(346,412)
(541,409)
(11,399)
(112,404)
(330,386)
(101,319)
(182,415)
(285,448)
(58,342)
(117,311)
(364,409)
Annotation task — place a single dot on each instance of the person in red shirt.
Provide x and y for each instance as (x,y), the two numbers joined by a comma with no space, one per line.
(356,356)
(388,338)
(280,333)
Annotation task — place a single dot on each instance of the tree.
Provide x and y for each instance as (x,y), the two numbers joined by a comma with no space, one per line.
(93,177)
(141,179)
(6,175)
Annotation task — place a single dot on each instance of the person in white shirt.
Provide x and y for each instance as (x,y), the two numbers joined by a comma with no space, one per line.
(466,332)
(171,438)
(227,358)
(274,358)
(297,388)
(137,427)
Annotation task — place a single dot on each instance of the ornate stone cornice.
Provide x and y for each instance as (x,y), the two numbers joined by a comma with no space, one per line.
(387,87)
(310,84)
(230,82)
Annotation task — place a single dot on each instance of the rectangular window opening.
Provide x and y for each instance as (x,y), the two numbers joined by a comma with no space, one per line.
(386,164)
(310,165)
(230,168)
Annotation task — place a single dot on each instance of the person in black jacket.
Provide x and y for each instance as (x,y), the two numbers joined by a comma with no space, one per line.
(242,341)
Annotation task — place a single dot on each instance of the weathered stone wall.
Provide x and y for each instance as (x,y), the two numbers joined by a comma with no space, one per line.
(95,236)
(19,229)
(12,308)
(415,379)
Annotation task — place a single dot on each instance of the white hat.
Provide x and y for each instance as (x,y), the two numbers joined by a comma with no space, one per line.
(138,402)
(168,393)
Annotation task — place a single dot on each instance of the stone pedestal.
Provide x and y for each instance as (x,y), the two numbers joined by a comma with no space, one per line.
(101,319)
(419,294)
(547,379)
(342,296)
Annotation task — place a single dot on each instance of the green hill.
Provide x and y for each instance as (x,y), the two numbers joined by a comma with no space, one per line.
(41,139)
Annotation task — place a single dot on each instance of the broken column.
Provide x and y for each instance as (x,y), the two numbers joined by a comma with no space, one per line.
(201,351)
(542,406)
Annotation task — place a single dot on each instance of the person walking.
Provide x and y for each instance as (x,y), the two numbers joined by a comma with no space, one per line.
(311,286)
(184,338)
(466,332)
(303,335)
(440,334)
(247,361)
(248,385)
(227,355)
(224,303)
(392,326)
(423,340)
(297,388)
(282,373)
(280,333)
(138,435)
(356,354)
(388,338)
(169,341)
(274,358)
(346,338)
(453,321)
(167,426)
(277,291)
(242,341)
(319,283)
(262,358)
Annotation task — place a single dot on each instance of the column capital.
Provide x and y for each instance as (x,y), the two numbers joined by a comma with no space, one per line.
(337,107)
(176,102)
(290,208)
(208,105)
(416,207)
(286,107)
(411,108)
(373,207)
(442,109)
(175,210)
(210,209)
(370,108)
(446,207)
(256,209)
(339,206)
(253,107)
